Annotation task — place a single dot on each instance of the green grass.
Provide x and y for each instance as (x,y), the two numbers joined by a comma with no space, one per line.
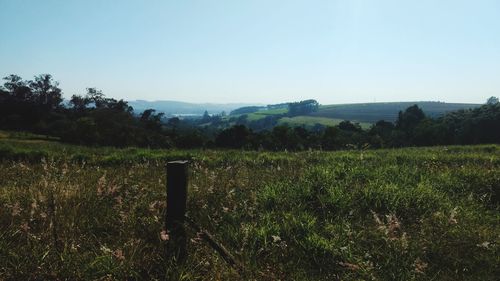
(70,212)
(310,121)
(388,111)
(26,136)
(307,121)
(363,113)
(263,113)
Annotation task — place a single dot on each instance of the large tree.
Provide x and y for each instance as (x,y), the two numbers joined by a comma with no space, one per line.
(492,101)
(46,91)
(409,119)
(304,107)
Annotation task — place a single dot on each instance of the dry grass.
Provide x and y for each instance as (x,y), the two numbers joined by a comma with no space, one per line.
(410,214)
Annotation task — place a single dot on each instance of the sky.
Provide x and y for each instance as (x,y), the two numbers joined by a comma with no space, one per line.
(265,51)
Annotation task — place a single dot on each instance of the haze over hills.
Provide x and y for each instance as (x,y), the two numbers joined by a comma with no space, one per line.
(184,108)
(359,112)
(388,111)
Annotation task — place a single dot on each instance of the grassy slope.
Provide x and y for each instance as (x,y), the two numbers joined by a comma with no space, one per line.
(262,114)
(310,121)
(402,214)
(372,112)
(364,113)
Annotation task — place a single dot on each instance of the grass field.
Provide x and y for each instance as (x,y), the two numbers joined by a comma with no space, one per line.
(262,114)
(364,113)
(310,121)
(388,111)
(69,212)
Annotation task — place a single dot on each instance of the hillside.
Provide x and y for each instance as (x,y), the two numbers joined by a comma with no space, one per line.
(363,113)
(184,108)
(373,112)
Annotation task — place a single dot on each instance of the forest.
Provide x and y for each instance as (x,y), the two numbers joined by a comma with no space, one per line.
(38,106)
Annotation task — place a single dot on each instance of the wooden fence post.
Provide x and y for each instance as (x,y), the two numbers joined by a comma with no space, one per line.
(177,182)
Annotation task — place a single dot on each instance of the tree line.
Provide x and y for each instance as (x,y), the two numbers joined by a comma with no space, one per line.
(93,119)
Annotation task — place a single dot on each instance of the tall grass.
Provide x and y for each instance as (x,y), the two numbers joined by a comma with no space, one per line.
(69,212)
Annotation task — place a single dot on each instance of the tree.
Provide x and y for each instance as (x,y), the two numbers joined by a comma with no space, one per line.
(47,92)
(3,93)
(303,107)
(206,117)
(95,96)
(492,101)
(174,123)
(410,118)
(246,110)
(347,125)
(150,120)
(234,137)
(17,88)
(381,133)
(79,103)
(13,82)
(330,138)
(284,137)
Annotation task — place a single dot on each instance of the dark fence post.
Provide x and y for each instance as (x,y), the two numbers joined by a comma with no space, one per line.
(177,182)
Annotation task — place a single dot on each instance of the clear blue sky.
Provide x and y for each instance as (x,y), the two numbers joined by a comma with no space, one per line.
(258,51)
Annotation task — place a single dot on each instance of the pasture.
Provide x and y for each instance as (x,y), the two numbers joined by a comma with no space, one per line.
(70,212)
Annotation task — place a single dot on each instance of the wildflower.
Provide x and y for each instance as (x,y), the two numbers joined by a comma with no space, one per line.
(276,238)
(420,266)
(152,206)
(164,235)
(118,254)
(112,189)
(376,218)
(105,249)
(484,245)
(453,213)
(197,239)
(100,184)
(119,200)
(34,206)
(394,227)
(25,227)
(16,209)
(350,266)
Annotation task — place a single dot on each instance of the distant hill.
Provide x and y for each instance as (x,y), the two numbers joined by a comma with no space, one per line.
(184,108)
(363,113)
(373,112)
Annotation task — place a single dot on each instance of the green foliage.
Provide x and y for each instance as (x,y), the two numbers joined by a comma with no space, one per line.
(304,107)
(36,107)
(311,121)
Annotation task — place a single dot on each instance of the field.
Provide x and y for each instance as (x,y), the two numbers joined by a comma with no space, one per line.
(261,114)
(388,111)
(364,113)
(70,212)
(310,121)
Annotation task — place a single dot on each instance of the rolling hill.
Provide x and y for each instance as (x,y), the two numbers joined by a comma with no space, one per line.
(327,115)
(184,108)
(363,113)
(388,111)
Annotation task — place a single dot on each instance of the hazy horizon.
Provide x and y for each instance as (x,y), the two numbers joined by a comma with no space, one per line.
(264,104)
(258,52)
